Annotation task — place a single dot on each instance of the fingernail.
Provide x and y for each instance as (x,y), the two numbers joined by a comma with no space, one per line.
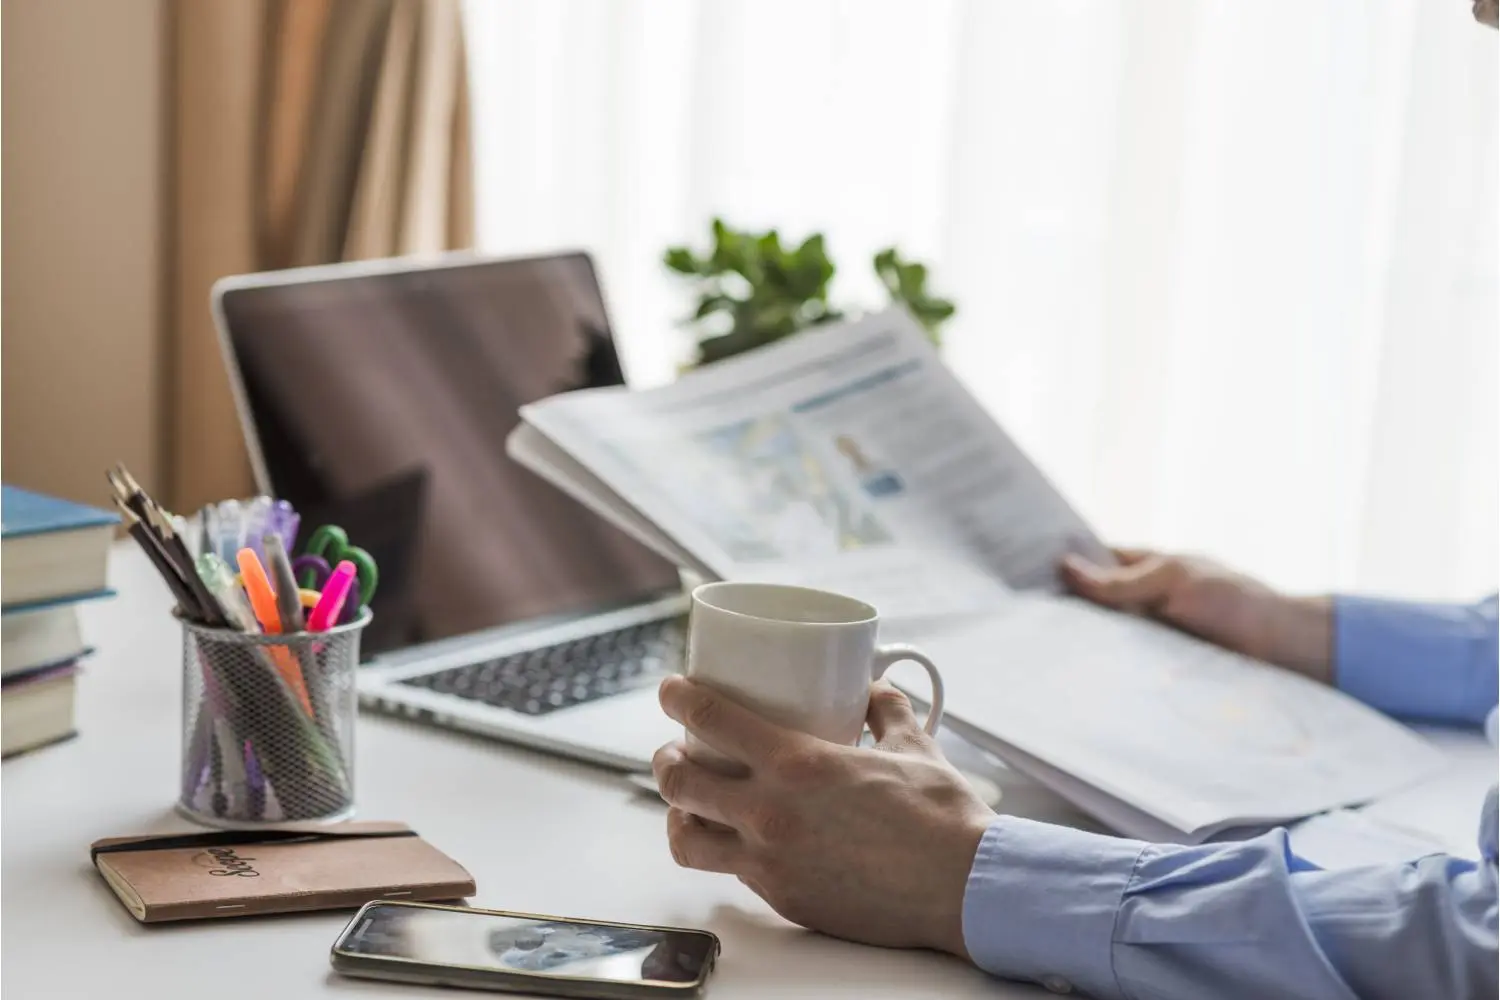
(664,689)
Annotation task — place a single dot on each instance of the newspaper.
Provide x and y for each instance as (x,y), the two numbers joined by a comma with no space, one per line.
(849,458)
(1124,716)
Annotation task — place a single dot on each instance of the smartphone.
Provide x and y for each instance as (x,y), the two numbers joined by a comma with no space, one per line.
(522,952)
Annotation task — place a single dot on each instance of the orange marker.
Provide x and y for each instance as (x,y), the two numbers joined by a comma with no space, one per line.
(262,595)
(263,601)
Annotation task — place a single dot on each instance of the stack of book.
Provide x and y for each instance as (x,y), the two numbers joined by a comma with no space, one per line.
(53,556)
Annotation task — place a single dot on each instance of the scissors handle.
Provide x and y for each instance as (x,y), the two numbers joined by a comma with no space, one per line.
(311,571)
(327,542)
(368,572)
(331,544)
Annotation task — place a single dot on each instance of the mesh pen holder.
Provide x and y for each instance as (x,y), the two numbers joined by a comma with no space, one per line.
(268,725)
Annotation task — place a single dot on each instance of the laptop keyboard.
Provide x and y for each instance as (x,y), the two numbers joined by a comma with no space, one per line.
(539,681)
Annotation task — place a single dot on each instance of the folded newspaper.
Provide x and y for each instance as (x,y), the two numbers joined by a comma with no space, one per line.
(850,458)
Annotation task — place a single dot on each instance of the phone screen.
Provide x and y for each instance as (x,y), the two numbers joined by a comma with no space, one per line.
(476,939)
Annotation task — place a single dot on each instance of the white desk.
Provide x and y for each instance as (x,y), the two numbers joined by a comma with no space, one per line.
(539,834)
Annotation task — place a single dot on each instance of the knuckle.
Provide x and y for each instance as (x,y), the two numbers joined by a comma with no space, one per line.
(887,695)
(912,741)
(772,825)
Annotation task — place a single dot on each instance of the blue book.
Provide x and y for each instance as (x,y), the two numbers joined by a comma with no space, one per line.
(50,548)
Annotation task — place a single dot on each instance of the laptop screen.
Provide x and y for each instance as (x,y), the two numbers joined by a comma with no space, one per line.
(382,402)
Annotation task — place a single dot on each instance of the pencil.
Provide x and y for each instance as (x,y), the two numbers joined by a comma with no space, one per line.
(187,601)
(178,548)
(159,526)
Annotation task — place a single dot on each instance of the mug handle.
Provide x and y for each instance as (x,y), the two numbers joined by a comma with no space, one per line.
(887,655)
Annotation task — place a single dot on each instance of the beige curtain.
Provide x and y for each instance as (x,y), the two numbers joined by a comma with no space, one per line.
(304,132)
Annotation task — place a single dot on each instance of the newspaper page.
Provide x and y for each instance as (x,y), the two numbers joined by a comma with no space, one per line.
(847,458)
(1200,738)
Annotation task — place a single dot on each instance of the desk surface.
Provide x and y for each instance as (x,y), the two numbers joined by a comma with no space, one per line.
(538,833)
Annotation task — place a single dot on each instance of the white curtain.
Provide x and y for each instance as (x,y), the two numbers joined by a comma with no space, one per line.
(1227,270)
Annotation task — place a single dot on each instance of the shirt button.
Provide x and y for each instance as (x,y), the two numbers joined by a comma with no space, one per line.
(1057,984)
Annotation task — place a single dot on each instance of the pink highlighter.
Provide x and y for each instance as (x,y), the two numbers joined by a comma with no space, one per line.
(335,593)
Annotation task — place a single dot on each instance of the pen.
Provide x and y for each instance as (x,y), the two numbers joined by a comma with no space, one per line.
(257,520)
(219,579)
(287,601)
(263,603)
(205,529)
(219,801)
(262,596)
(231,757)
(230,525)
(213,709)
(257,782)
(335,592)
(284,521)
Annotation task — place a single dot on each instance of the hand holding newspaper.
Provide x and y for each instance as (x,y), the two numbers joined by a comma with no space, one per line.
(849,458)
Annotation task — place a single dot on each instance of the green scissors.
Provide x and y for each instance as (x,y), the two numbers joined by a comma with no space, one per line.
(330,544)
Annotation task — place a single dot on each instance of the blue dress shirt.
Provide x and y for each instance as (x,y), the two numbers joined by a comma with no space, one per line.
(1114,918)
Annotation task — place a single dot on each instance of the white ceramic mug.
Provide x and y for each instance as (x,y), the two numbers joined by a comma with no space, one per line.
(801,658)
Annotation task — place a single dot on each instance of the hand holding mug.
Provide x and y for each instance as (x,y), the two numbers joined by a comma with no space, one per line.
(873,845)
(869,844)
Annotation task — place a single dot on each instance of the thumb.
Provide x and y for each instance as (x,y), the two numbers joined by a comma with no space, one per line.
(890,716)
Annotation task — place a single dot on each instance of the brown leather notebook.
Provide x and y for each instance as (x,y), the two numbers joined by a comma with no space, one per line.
(236,873)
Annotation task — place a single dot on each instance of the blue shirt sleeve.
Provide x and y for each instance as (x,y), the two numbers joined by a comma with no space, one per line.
(1419,661)
(1123,920)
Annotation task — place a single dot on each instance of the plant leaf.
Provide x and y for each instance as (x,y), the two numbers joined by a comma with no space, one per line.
(912,281)
(681,260)
(711,304)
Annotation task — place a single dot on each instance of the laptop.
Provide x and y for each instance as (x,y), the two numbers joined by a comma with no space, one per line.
(378,396)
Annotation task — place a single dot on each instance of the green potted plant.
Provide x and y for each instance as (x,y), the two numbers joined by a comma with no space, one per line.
(751,290)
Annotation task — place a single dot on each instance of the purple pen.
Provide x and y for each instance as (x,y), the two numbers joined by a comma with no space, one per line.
(256,779)
(284,520)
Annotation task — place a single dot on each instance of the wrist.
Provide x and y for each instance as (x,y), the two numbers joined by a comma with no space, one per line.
(1298,635)
(948,920)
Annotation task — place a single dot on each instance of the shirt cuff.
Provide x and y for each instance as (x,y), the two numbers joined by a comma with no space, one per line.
(1041,903)
(1423,661)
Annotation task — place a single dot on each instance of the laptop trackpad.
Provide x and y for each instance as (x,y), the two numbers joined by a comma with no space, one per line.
(629,725)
